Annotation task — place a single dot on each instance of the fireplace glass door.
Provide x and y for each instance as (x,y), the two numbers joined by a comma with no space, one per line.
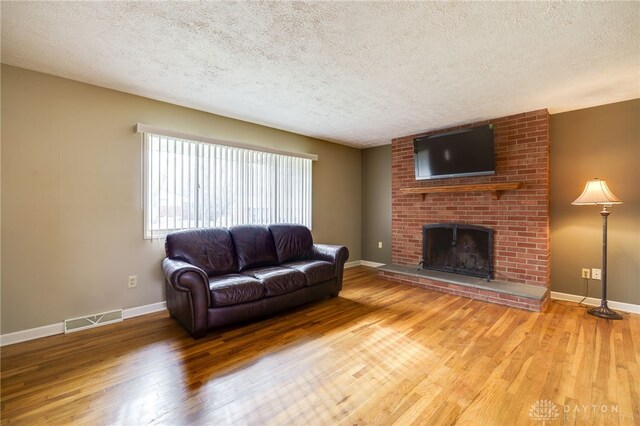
(458,248)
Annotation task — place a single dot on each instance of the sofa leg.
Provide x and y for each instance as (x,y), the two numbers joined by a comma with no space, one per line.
(199,334)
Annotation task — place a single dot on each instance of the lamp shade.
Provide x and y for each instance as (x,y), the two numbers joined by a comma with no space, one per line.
(596,192)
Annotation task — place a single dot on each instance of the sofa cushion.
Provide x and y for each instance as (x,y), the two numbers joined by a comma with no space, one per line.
(315,271)
(278,280)
(254,246)
(293,242)
(210,249)
(235,288)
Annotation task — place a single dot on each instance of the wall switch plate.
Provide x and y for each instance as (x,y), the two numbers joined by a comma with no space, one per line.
(133,281)
(379,244)
(596,274)
(585,273)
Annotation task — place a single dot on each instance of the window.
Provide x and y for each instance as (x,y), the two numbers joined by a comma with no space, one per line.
(192,184)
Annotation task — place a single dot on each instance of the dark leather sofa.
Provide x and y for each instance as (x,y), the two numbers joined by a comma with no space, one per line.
(219,276)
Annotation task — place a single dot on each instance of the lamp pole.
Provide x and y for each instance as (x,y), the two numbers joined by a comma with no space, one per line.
(603,310)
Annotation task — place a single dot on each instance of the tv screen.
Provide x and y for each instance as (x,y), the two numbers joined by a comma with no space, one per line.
(467,152)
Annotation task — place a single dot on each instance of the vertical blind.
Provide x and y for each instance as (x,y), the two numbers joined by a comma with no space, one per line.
(191,184)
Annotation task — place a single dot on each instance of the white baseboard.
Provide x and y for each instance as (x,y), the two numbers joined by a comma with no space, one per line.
(362,263)
(371,264)
(50,330)
(592,301)
(143,310)
(30,334)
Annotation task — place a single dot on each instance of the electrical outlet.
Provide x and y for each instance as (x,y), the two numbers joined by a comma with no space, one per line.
(133,281)
(585,273)
(596,274)
(379,244)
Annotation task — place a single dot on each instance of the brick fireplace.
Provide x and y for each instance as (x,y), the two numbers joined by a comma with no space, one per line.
(519,218)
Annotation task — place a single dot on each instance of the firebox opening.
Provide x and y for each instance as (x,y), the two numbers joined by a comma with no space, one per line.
(458,248)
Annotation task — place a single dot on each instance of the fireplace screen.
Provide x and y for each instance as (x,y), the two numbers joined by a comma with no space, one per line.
(457,248)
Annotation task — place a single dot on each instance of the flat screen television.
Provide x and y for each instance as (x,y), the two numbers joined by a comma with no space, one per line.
(467,152)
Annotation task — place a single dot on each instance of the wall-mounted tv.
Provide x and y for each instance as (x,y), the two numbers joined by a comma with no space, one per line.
(467,152)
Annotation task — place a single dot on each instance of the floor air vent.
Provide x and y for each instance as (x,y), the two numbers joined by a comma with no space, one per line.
(91,321)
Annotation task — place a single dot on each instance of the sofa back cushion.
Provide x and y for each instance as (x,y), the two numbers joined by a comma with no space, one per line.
(254,246)
(293,242)
(210,249)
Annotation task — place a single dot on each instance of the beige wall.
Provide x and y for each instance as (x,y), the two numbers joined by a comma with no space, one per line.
(71,217)
(599,142)
(376,204)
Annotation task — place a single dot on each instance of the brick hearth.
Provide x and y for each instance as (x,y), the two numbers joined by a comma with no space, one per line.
(525,296)
(519,218)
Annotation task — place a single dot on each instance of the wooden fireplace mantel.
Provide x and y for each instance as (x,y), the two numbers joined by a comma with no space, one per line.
(496,188)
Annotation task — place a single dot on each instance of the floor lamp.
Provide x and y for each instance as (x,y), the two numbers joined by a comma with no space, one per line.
(596,192)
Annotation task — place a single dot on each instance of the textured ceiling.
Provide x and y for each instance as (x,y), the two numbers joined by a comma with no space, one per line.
(357,73)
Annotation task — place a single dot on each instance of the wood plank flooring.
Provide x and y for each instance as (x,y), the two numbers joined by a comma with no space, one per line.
(381,353)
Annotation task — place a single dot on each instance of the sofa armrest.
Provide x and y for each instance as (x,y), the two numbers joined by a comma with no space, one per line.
(330,253)
(190,309)
(175,270)
(337,255)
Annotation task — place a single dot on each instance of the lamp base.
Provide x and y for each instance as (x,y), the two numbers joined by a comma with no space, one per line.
(603,311)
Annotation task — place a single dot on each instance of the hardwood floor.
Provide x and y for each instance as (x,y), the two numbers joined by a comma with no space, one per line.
(381,353)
